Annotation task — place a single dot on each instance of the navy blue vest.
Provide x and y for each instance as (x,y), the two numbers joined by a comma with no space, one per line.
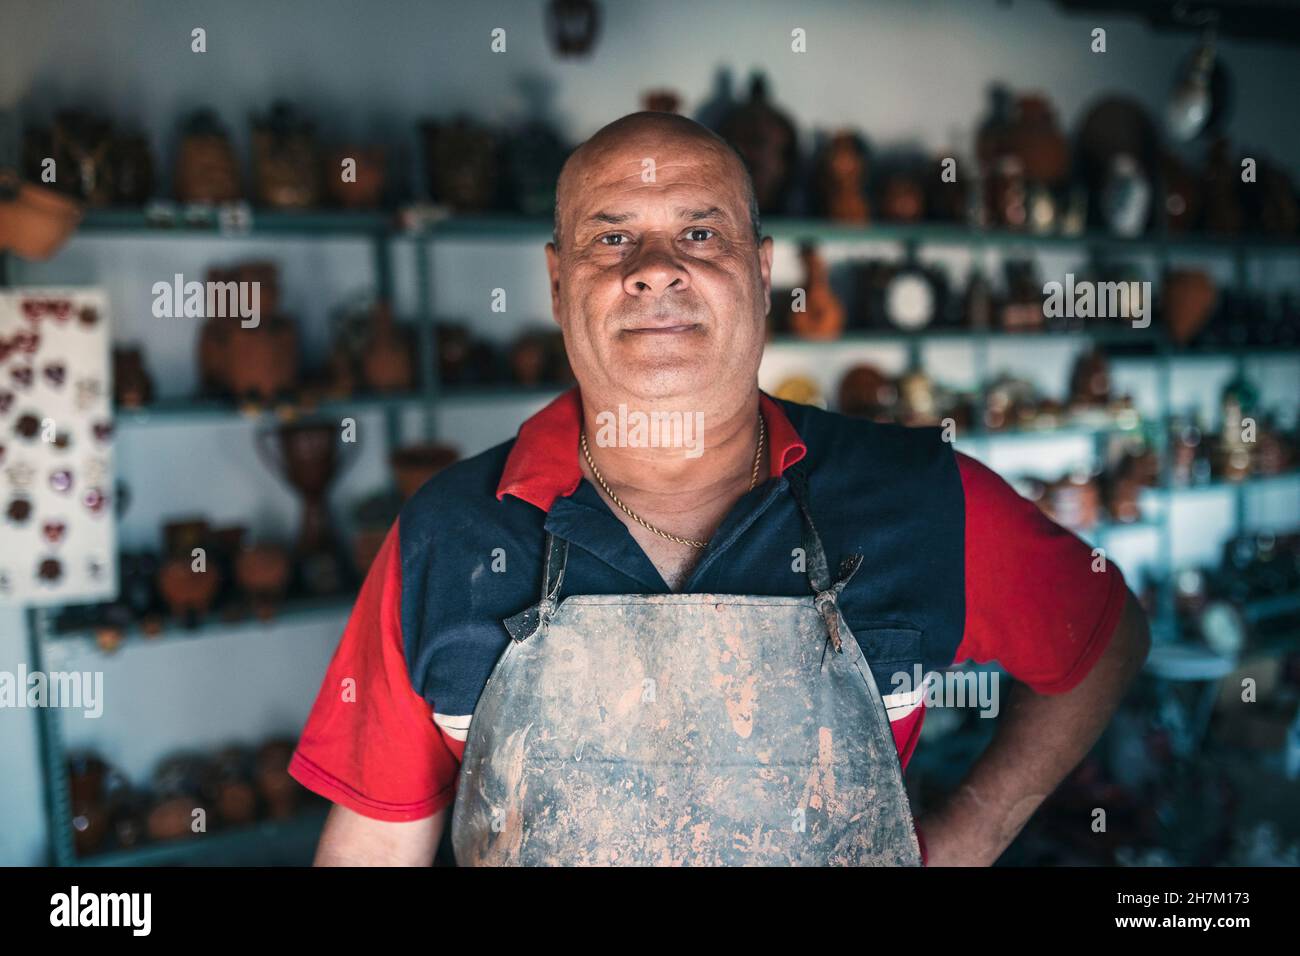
(890,493)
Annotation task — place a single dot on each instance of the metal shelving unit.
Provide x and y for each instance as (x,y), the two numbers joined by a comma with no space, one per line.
(382,228)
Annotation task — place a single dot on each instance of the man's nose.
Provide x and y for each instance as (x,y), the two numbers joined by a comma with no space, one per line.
(655,269)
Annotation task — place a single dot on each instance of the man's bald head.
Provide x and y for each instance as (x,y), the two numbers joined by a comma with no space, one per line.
(653,129)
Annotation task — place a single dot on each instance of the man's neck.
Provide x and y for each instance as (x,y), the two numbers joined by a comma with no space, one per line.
(702,455)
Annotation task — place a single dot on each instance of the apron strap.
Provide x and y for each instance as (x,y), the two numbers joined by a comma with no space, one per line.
(825,591)
(528,622)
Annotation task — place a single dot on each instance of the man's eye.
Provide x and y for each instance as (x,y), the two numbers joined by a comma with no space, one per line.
(700,235)
(613,239)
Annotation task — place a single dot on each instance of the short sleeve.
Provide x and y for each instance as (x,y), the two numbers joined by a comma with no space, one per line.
(1034,602)
(370,743)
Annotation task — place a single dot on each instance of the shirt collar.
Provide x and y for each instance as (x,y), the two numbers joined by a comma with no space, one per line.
(543,464)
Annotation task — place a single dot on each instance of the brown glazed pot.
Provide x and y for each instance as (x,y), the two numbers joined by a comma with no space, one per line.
(132,387)
(386,361)
(368,190)
(1189,297)
(271,776)
(206,170)
(188,593)
(172,818)
(866,392)
(415,464)
(1035,138)
(903,199)
(261,362)
(263,572)
(823,315)
(528,359)
(842,173)
(36,221)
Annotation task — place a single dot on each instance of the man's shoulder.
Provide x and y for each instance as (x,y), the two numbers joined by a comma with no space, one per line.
(835,439)
(462,495)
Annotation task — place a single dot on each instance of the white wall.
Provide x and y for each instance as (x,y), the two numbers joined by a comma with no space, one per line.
(902,72)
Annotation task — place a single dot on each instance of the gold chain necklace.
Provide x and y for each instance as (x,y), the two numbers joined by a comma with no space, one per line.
(701,545)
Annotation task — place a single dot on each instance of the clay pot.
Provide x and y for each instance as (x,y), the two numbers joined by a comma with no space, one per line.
(1090,381)
(132,387)
(206,170)
(263,573)
(261,362)
(286,161)
(1189,297)
(386,361)
(842,174)
(271,777)
(767,140)
(528,359)
(367,191)
(172,818)
(227,786)
(132,170)
(1035,138)
(462,163)
(415,464)
(823,315)
(188,593)
(903,199)
(36,221)
(866,392)
(180,538)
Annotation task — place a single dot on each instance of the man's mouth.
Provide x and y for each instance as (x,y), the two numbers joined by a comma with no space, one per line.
(668,326)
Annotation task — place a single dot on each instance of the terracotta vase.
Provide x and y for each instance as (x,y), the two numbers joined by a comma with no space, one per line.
(206,169)
(188,593)
(1189,297)
(415,464)
(263,573)
(866,392)
(1090,381)
(34,221)
(286,161)
(823,315)
(903,199)
(367,190)
(132,387)
(260,363)
(462,162)
(387,362)
(842,173)
(528,359)
(280,791)
(1036,139)
(308,456)
(766,139)
(173,818)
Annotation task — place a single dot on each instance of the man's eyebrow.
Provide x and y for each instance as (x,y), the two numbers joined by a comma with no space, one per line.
(610,218)
(683,212)
(697,215)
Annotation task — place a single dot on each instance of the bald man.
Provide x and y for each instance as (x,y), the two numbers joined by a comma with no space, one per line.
(677,621)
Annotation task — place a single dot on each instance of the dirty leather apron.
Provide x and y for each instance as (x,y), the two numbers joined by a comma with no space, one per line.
(671,729)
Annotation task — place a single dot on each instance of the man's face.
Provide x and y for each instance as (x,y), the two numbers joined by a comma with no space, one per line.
(658,284)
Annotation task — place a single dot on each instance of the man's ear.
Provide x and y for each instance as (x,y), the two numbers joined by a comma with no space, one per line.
(765,270)
(553,271)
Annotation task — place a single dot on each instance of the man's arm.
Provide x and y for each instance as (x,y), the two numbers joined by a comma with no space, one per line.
(350,839)
(1039,740)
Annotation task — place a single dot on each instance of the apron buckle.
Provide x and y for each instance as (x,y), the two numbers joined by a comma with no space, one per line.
(825,603)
